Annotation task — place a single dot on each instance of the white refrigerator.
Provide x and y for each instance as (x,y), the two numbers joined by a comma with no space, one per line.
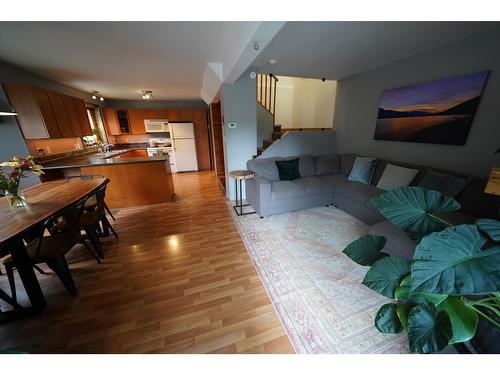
(182,134)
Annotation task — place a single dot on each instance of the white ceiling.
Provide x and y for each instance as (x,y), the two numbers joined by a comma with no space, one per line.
(336,50)
(189,60)
(121,58)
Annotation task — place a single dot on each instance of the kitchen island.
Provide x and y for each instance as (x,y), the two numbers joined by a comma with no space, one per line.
(135,178)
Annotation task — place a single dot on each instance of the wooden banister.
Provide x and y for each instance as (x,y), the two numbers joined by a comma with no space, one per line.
(266,92)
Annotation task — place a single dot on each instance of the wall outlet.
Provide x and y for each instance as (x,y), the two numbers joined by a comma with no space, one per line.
(232,125)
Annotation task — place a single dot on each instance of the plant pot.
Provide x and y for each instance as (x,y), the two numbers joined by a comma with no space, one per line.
(16,199)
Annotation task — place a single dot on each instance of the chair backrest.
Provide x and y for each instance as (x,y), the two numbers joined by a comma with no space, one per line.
(98,194)
(68,235)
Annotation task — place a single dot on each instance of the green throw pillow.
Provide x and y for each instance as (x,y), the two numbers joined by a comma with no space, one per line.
(288,169)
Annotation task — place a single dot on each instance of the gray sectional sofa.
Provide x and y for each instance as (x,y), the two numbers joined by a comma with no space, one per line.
(324,182)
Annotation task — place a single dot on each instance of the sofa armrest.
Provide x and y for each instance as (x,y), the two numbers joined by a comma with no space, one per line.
(258,195)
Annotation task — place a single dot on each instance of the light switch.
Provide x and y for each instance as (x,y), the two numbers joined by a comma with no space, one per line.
(231,125)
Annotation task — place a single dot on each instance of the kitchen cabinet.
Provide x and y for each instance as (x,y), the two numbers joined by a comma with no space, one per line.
(111,121)
(151,114)
(136,118)
(201,133)
(173,114)
(46,114)
(162,114)
(83,118)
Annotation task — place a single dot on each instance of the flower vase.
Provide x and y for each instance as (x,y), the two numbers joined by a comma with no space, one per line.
(16,199)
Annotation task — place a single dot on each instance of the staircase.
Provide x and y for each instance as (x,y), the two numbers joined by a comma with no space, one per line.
(266,97)
(277,133)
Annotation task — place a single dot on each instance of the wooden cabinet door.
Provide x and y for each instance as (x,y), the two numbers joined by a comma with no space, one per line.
(173,114)
(136,118)
(83,118)
(49,117)
(186,114)
(162,114)
(57,101)
(151,114)
(74,121)
(111,121)
(199,118)
(28,116)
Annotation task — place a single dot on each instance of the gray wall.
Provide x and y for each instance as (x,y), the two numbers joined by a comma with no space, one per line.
(11,139)
(358,99)
(154,104)
(264,124)
(303,142)
(240,143)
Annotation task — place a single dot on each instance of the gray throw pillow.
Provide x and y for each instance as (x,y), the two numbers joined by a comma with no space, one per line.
(395,177)
(362,170)
(327,164)
(444,183)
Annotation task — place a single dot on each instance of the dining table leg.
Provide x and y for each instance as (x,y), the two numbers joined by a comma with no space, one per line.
(25,269)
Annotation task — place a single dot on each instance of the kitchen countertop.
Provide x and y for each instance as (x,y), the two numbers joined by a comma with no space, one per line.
(94,160)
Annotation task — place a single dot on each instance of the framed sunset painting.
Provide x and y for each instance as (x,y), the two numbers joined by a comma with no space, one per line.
(432,112)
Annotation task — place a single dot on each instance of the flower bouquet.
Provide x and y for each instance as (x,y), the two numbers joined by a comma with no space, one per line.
(9,181)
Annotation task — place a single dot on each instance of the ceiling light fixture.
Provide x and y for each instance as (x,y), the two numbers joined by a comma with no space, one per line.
(147,94)
(97,95)
(6,109)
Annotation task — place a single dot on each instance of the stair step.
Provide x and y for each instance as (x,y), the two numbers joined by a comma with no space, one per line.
(277,135)
(259,150)
(266,143)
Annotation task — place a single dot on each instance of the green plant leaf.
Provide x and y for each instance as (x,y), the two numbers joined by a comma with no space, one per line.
(490,227)
(403,293)
(386,274)
(412,209)
(366,250)
(463,318)
(387,320)
(452,262)
(402,312)
(429,331)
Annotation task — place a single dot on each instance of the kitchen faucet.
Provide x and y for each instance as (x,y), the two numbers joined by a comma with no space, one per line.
(106,147)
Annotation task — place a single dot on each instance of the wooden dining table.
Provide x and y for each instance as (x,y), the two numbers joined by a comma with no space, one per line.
(44,200)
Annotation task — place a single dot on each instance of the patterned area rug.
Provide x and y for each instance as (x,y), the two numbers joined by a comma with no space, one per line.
(314,287)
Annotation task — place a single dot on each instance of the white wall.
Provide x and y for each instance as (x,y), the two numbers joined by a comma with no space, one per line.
(240,143)
(305,102)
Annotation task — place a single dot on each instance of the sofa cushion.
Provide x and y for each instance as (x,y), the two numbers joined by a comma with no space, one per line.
(306,164)
(395,177)
(285,190)
(444,183)
(335,179)
(362,170)
(288,170)
(265,167)
(357,191)
(398,243)
(326,164)
(346,163)
(314,185)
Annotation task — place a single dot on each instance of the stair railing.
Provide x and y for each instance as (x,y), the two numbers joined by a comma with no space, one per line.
(266,92)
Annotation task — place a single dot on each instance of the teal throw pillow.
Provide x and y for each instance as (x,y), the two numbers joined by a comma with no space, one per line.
(362,170)
(288,169)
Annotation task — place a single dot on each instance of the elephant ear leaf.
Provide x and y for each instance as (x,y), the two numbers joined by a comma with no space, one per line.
(452,262)
(386,274)
(429,331)
(412,209)
(490,227)
(387,320)
(463,318)
(366,250)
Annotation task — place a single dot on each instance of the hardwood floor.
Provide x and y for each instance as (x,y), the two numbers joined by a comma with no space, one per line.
(178,280)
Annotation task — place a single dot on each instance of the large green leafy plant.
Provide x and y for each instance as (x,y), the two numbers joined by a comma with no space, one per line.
(453,279)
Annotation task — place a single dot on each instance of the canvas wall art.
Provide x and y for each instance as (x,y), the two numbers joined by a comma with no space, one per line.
(432,112)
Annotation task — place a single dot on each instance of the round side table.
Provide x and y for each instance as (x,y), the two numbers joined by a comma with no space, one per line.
(239,176)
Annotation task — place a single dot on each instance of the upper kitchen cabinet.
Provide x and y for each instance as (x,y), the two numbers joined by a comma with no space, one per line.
(173,114)
(151,114)
(136,118)
(83,118)
(111,121)
(47,114)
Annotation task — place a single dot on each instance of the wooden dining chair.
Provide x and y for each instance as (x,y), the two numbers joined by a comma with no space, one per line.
(52,249)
